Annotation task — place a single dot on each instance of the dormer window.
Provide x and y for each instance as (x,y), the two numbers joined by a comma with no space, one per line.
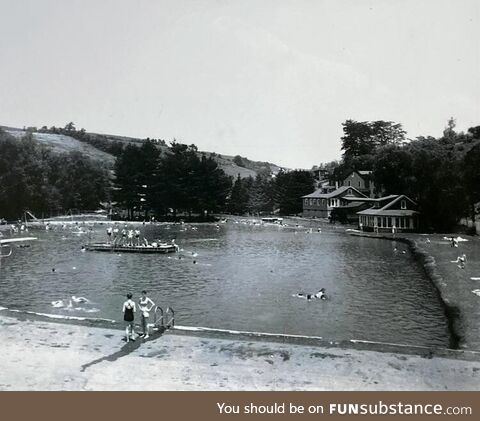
(403,204)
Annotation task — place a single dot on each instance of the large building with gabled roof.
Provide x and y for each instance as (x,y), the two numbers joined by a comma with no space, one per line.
(361,180)
(320,204)
(392,213)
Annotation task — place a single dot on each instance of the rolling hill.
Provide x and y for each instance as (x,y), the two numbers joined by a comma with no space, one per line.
(65,143)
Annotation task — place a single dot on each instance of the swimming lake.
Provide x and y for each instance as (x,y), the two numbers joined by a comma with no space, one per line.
(244,277)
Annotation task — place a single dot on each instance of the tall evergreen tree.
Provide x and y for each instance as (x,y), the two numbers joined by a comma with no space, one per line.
(239,197)
(289,187)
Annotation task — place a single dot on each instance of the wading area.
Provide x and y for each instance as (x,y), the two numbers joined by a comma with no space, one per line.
(452,263)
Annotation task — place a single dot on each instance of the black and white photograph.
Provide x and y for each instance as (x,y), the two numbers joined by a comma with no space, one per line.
(255,195)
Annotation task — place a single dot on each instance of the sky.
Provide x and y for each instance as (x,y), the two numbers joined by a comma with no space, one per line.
(271,80)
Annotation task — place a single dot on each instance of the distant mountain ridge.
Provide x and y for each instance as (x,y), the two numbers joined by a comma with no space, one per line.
(61,142)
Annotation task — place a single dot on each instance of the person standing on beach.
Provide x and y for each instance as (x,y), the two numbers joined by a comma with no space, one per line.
(129,310)
(146,305)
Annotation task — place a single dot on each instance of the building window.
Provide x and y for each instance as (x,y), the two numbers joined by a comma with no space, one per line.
(349,191)
(323,201)
(359,184)
(306,201)
(403,204)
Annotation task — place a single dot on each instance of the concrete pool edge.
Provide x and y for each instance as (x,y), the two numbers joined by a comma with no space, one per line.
(39,355)
(262,337)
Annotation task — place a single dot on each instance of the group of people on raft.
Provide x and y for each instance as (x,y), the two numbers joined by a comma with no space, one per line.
(131,238)
(125,237)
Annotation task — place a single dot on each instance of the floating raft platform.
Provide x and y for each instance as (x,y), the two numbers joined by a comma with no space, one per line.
(160,249)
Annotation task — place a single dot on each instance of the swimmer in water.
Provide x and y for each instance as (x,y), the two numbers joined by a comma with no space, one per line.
(462,260)
(320,295)
(80,299)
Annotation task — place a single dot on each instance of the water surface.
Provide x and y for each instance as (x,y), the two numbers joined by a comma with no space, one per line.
(243,279)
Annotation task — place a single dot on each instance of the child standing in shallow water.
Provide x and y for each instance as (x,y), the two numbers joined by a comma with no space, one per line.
(129,310)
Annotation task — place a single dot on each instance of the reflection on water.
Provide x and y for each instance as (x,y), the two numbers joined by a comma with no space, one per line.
(244,278)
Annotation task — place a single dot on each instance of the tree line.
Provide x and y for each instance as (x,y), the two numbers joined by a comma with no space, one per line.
(179,180)
(441,174)
(265,194)
(34,178)
(148,181)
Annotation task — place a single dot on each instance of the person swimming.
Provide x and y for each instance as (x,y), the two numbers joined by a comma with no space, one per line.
(80,299)
(461,260)
(320,295)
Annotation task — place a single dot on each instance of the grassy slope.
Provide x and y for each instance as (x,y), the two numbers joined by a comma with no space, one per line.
(62,143)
